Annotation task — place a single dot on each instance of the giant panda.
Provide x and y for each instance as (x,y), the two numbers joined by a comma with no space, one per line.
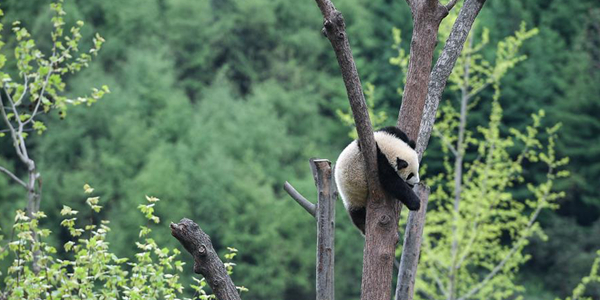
(398,169)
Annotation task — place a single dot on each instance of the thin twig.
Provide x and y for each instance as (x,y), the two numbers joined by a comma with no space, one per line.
(13,176)
(307,205)
(26,86)
(5,117)
(18,137)
(439,284)
(445,141)
(13,132)
(37,105)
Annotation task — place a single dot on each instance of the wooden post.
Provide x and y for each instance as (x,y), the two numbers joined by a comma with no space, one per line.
(324,213)
(325,228)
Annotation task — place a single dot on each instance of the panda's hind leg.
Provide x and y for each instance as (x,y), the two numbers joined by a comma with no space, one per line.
(359,217)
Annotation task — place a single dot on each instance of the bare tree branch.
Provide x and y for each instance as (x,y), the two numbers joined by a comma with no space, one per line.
(11,128)
(206,260)
(16,134)
(443,67)
(307,205)
(445,141)
(13,176)
(413,236)
(427,15)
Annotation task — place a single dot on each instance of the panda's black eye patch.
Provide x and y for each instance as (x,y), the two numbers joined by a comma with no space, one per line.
(411,175)
(401,163)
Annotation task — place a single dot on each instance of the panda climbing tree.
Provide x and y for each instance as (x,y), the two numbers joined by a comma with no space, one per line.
(398,169)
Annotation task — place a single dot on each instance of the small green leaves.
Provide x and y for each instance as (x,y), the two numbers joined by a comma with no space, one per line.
(92,202)
(41,73)
(87,189)
(39,127)
(67,211)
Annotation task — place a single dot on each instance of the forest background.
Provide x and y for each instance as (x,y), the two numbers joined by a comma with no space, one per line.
(214,104)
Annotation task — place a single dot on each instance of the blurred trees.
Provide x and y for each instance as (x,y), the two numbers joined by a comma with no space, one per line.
(215,104)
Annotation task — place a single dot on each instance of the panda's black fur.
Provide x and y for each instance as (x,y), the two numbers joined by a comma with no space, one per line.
(350,173)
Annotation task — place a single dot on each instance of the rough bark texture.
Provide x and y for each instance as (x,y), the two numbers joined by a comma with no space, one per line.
(413,236)
(382,211)
(427,15)
(437,82)
(443,67)
(206,260)
(325,228)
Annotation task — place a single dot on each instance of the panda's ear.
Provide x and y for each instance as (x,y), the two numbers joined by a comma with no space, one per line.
(412,144)
(401,163)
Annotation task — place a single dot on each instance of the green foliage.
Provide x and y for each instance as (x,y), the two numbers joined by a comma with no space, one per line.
(593,277)
(40,75)
(92,270)
(486,225)
(198,86)
(476,227)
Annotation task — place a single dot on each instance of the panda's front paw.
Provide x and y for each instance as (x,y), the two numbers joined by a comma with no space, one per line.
(413,205)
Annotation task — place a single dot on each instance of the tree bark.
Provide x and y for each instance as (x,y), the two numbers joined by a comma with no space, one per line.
(443,67)
(413,236)
(382,211)
(206,260)
(324,212)
(427,15)
(437,82)
(325,228)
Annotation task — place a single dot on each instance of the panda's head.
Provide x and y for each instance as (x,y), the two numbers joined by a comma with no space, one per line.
(400,152)
(407,167)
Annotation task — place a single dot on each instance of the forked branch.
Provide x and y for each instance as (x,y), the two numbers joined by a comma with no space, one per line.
(437,82)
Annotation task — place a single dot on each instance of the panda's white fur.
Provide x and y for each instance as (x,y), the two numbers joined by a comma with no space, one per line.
(350,167)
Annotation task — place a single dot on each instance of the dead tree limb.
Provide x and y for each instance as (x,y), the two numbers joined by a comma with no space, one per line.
(206,260)
(437,82)
(413,236)
(324,212)
(325,228)
(307,205)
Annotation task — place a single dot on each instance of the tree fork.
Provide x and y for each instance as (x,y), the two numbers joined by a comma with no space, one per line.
(437,82)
